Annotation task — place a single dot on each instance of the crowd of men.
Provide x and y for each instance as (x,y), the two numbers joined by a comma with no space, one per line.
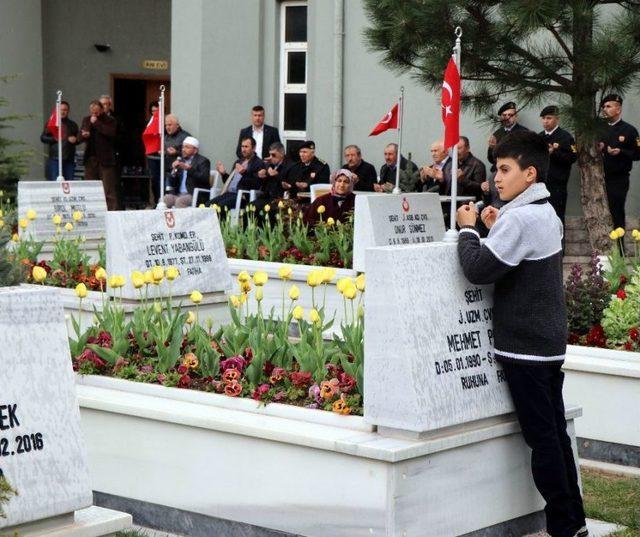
(262,163)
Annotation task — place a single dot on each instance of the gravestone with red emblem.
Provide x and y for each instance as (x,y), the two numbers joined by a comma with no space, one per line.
(188,239)
(49,198)
(395,220)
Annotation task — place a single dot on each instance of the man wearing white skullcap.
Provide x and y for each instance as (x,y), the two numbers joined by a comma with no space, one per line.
(188,172)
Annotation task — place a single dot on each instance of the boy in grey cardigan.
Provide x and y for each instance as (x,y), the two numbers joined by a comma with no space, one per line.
(522,257)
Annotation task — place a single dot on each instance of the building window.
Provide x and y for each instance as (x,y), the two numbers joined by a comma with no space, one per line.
(293,74)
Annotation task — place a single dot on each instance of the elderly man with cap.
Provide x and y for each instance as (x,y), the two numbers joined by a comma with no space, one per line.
(562,155)
(509,119)
(189,171)
(336,204)
(620,146)
(308,171)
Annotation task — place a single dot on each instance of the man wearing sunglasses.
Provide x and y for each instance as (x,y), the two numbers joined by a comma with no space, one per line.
(508,114)
(277,171)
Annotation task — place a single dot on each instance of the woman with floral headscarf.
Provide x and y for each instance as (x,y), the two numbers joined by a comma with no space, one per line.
(336,204)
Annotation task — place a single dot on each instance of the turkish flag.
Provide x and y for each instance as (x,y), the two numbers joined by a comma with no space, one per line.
(389,121)
(52,124)
(451,105)
(151,135)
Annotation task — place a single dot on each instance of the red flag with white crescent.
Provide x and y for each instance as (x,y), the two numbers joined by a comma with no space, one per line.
(389,121)
(151,134)
(53,123)
(451,105)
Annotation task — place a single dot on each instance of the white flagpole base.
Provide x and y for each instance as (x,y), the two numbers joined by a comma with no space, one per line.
(161,205)
(396,190)
(451,235)
(60,178)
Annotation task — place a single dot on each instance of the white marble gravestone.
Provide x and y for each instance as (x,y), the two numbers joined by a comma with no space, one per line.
(428,342)
(188,239)
(42,451)
(48,198)
(390,219)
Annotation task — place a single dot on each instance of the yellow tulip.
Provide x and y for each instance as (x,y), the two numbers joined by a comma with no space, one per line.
(290,211)
(285,272)
(172,273)
(81,290)
(260,278)
(157,273)
(613,235)
(1,224)
(636,234)
(113,282)
(1,193)
(23,223)
(196,297)
(298,313)
(294,292)
(267,208)
(235,301)
(216,207)
(31,214)
(281,204)
(15,237)
(201,206)
(620,232)
(328,274)
(243,277)
(101,274)
(321,209)
(245,287)
(360,311)
(243,298)
(314,278)
(137,279)
(68,226)
(57,219)
(77,216)
(39,274)
(350,292)
(157,307)
(148,277)
(330,222)
(343,283)
(360,281)
(314,316)
(1,213)
(259,294)
(191,317)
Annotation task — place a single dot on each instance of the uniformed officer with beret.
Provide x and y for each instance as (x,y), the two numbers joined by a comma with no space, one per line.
(620,146)
(509,118)
(308,171)
(562,155)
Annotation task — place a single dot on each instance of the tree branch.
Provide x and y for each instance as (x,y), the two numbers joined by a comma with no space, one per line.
(560,41)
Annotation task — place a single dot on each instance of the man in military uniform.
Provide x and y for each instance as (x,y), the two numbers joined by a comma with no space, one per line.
(509,119)
(310,170)
(562,155)
(620,146)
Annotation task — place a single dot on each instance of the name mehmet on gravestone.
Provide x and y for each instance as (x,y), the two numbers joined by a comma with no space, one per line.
(386,219)
(188,239)
(48,198)
(429,342)
(42,452)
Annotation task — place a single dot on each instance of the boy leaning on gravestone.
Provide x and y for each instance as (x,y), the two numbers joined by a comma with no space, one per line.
(522,256)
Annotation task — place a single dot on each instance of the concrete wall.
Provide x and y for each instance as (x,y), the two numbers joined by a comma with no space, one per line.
(226,59)
(21,55)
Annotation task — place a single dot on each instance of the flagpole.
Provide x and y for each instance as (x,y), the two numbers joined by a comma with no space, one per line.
(396,189)
(452,234)
(60,141)
(161,204)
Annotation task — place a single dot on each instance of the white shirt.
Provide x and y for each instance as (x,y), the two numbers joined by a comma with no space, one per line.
(549,133)
(258,136)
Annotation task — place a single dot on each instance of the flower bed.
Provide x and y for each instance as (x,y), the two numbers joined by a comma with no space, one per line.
(250,357)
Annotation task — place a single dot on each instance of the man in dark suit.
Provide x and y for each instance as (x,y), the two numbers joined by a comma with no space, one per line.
(365,175)
(245,175)
(264,135)
(562,155)
(188,172)
(509,118)
(276,172)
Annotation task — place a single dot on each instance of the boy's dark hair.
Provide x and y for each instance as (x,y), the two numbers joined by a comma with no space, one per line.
(258,108)
(527,149)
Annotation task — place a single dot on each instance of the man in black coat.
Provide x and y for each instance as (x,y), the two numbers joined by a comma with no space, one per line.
(620,146)
(365,175)
(276,172)
(245,176)
(509,118)
(308,171)
(70,139)
(188,172)
(264,135)
(562,155)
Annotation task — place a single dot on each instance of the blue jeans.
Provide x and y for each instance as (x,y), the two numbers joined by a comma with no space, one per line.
(68,169)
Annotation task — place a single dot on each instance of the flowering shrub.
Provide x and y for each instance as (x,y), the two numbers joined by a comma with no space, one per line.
(623,312)
(250,357)
(586,296)
(279,234)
